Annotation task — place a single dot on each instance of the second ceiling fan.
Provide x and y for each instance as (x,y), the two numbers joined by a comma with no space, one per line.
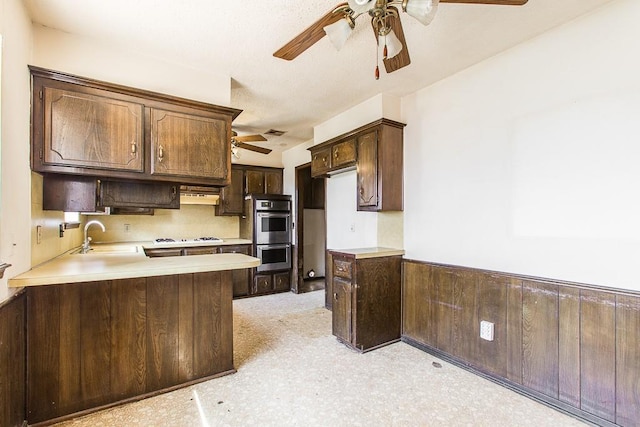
(385,20)
(241,142)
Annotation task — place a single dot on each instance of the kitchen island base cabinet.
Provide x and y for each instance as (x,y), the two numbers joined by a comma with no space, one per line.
(365,297)
(96,344)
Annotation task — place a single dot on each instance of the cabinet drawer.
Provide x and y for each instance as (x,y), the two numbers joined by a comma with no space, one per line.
(163,252)
(342,268)
(281,281)
(235,249)
(344,153)
(262,283)
(320,162)
(203,250)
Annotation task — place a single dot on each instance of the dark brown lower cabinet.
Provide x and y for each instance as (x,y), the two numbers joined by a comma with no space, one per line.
(264,283)
(241,278)
(575,347)
(95,344)
(366,300)
(12,360)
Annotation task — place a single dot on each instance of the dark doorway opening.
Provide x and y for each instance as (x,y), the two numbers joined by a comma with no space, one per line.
(310,230)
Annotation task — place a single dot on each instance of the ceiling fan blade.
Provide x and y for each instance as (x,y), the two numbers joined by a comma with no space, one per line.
(249,138)
(308,37)
(253,148)
(498,2)
(402,59)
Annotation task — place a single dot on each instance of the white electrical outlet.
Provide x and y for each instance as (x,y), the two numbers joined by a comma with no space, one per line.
(486,330)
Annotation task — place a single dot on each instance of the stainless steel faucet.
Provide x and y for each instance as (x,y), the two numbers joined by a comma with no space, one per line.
(85,245)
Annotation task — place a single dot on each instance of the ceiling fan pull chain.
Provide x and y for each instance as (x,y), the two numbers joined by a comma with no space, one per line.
(377,74)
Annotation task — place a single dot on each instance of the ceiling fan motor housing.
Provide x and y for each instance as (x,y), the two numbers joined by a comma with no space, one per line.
(361,6)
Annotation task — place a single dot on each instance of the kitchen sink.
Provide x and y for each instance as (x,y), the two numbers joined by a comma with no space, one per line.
(108,249)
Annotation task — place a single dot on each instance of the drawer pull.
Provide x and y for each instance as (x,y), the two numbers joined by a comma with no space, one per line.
(335,296)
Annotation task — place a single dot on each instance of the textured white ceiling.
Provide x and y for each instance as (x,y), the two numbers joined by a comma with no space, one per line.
(238,38)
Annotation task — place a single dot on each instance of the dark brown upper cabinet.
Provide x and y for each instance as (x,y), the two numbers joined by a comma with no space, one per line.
(231,200)
(245,180)
(376,152)
(87,127)
(188,145)
(92,131)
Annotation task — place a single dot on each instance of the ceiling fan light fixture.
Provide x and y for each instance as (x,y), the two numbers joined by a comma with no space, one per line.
(394,45)
(339,32)
(361,6)
(422,10)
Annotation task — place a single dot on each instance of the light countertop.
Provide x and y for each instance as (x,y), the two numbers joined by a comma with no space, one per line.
(374,252)
(123,261)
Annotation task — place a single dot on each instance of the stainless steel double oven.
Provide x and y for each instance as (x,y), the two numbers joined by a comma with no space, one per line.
(268,224)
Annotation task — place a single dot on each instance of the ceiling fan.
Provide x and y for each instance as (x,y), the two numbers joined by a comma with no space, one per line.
(241,142)
(385,20)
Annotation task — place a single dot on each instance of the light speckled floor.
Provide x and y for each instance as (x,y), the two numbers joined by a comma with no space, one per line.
(293,372)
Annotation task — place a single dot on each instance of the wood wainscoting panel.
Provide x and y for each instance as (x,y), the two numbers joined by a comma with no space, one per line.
(540,337)
(12,360)
(162,332)
(186,316)
(96,344)
(492,306)
(416,304)
(464,339)
(569,345)
(514,330)
(573,346)
(598,353)
(43,353)
(128,337)
(627,360)
(442,307)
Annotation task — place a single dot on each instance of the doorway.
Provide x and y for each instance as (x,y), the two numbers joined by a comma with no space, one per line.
(311,232)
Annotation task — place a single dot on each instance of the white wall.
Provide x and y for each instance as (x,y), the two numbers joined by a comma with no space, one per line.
(89,58)
(15,202)
(292,158)
(528,162)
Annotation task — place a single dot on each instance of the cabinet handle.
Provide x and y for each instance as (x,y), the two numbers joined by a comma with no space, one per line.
(160,153)
(134,148)
(335,296)
(324,160)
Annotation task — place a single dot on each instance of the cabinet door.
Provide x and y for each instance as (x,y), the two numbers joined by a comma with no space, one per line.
(91,131)
(241,278)
(341,309)
(281,281)
(367,171)
(343,154)
(273,182)
(320,161)
(262,283)
(254,182)
(139,194)
(189,145)
(231,196)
